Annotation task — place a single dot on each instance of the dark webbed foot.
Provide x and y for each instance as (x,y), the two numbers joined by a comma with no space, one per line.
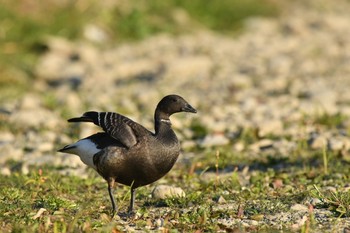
(130,213)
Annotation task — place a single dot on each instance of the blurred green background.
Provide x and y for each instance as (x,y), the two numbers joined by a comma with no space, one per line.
(25,25)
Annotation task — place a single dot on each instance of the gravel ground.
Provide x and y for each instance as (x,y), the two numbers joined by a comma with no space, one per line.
(267,79)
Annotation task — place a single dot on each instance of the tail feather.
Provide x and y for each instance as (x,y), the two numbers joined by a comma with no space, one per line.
(85,149)
(86,117)
(67,148)
(80,119)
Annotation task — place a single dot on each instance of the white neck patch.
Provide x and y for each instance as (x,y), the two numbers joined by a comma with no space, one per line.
(166,121)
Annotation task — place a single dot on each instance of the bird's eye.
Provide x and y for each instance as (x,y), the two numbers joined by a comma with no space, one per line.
(174,100)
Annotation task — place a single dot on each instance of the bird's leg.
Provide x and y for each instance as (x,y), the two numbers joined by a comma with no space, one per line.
(132,200)
(110,182)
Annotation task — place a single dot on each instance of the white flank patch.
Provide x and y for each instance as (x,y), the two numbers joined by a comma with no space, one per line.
(86,150)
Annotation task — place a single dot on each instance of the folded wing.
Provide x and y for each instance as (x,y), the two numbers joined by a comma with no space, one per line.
(116,125)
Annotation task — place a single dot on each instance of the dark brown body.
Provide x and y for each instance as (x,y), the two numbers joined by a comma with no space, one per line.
(128,153)
(131,167)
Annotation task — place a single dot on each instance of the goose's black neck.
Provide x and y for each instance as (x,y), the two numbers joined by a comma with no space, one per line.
(163,129)
(162,122)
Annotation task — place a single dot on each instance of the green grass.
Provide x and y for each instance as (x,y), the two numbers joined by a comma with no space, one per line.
(337,202)
(140,19)
(75,204)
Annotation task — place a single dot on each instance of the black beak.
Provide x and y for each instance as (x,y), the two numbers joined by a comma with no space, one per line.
(189,108)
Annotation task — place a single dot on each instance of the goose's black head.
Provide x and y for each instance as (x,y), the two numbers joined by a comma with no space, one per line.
(172,104)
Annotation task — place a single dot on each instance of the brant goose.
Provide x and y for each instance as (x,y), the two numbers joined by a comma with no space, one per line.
(128,153)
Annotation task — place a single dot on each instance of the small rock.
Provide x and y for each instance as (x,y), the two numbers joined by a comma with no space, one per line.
(277,183)
(159,222)
(45,147)
(274,127)
(6,137)
(299,207)
(5,171)
(300,222)
(239,146)
(214,140)
(315,201)
(39,213)
(254,222)
(318,142)
(336,144)
(166,191)
(221,200)
(25,169)
(187,144)
(30,101)
(261,145)
(347,188)
(95,33)
(8,151)
(34,118)
(331,188)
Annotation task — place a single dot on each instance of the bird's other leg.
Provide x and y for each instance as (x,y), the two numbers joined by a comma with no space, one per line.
(132,200)
(111,183)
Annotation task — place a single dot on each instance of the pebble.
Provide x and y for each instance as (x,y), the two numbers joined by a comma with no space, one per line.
(337,144)
(331,188)
(300,222)
(5,171)
(318,142)
(315,201)
(239,146)
(267,127)
(186,144)
(159,222)
(10,152)
(166,191)
(221,200)
(34,119)
(261,145)
(211,140)
(6,137)
(299,207)
(45,147)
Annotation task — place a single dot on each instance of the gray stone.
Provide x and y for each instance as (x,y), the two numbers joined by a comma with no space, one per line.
(338,143)
(214,140)
(315,201)
(221,200)
(261,145)
(34,118)
(274,127)
(6,137)
(95,33)
(45,147)
(10,152)
(318,142)
(299,207)
(5,171)
(166,191)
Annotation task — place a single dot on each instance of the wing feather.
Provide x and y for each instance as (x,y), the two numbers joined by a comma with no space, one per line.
(116,125)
